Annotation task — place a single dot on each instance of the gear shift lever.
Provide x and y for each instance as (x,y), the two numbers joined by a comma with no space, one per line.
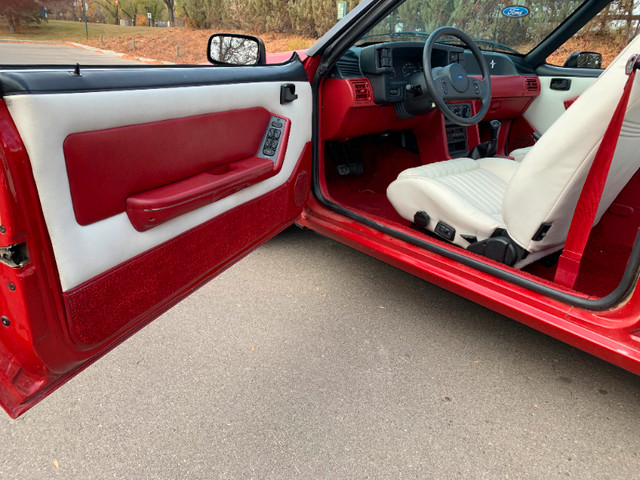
(490,147)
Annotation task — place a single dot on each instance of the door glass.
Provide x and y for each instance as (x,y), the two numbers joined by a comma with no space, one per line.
(608,33)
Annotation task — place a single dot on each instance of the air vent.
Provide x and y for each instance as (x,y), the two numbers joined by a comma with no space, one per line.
(349,67)
(361,91)
(532,84)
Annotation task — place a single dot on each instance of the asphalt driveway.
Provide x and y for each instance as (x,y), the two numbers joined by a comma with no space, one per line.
(310,360)
(29,53)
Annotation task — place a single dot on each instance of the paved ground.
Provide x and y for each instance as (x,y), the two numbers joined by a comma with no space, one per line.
(52,54)
(310,360)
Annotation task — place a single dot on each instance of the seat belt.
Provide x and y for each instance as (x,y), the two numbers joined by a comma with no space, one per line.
(589,200)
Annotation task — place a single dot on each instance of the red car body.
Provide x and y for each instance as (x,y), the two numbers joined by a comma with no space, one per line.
(57,319)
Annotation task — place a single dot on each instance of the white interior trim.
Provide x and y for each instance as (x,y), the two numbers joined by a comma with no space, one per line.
(549,105)
(44,121)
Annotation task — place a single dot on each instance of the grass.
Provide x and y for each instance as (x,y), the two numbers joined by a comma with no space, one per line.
(65,31)
(299,44)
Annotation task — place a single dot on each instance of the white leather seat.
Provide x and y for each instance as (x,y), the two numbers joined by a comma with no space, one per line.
(467,193)
(519,153)
(476,197)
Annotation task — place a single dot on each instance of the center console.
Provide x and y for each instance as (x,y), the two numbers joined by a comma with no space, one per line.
(457,134)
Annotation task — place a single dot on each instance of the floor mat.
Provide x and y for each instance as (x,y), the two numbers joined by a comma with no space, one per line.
(368,202)
(383,160)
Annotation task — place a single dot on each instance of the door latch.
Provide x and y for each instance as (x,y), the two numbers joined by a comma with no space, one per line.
(562,84)
(15,256)
(287,93)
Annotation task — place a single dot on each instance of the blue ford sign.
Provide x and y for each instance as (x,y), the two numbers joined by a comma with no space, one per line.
(515,12)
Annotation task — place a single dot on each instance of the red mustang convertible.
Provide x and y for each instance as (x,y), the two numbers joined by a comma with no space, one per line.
(453,145)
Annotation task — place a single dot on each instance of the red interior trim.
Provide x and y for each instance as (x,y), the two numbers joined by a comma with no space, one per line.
(154,207)
(104,305)
(345,114)
(586,209)
(148,209)
(511,95)
(520,134)
(142,287)
(105,167)
(568,103)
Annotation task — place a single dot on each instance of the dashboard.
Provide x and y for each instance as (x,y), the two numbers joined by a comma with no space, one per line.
(391,66)
(366,91)
(407,61)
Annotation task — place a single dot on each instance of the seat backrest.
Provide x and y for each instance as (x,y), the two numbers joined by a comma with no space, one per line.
(546,187)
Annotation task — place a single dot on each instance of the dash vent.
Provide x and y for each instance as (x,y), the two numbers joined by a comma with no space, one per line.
(362,91)
(532,84)
(349,67)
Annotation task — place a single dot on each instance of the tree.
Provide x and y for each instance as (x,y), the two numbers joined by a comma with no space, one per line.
(196,12)
(171,8)
(155,8)
(112,7)
(130,8)
(61,10)
(20,11)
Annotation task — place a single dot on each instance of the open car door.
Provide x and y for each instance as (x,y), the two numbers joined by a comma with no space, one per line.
(125,189)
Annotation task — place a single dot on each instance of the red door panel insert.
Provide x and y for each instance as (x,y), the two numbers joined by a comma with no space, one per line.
(153,207)
(137,289)
(105,167)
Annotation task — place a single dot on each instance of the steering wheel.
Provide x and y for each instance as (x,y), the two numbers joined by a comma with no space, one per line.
(452,83)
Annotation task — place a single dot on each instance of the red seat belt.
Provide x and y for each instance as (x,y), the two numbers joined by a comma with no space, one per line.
(587,206)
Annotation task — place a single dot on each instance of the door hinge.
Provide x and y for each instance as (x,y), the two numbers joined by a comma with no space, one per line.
(15,256)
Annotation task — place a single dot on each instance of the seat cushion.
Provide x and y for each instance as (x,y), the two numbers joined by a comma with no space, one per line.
(465,194)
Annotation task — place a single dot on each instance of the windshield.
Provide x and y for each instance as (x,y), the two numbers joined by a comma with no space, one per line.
(494,25)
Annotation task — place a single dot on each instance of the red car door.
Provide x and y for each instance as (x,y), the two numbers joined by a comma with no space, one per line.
(125,189)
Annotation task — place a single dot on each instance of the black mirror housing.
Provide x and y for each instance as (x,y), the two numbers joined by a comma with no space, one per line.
(233,49)
(584,60)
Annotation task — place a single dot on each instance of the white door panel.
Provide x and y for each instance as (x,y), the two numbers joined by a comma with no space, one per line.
(549,105)
(44,121)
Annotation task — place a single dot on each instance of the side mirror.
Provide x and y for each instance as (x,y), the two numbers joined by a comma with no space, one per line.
(584,60)
(235,49)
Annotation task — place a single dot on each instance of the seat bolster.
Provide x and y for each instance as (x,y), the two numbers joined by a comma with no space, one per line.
(548,183)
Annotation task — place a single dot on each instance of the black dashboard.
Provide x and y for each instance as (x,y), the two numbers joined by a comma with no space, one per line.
(391,66)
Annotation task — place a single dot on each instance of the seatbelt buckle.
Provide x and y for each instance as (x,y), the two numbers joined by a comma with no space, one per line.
(632,64)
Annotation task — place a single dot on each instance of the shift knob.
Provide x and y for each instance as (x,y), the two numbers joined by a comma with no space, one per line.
(495,130)
(492,147)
